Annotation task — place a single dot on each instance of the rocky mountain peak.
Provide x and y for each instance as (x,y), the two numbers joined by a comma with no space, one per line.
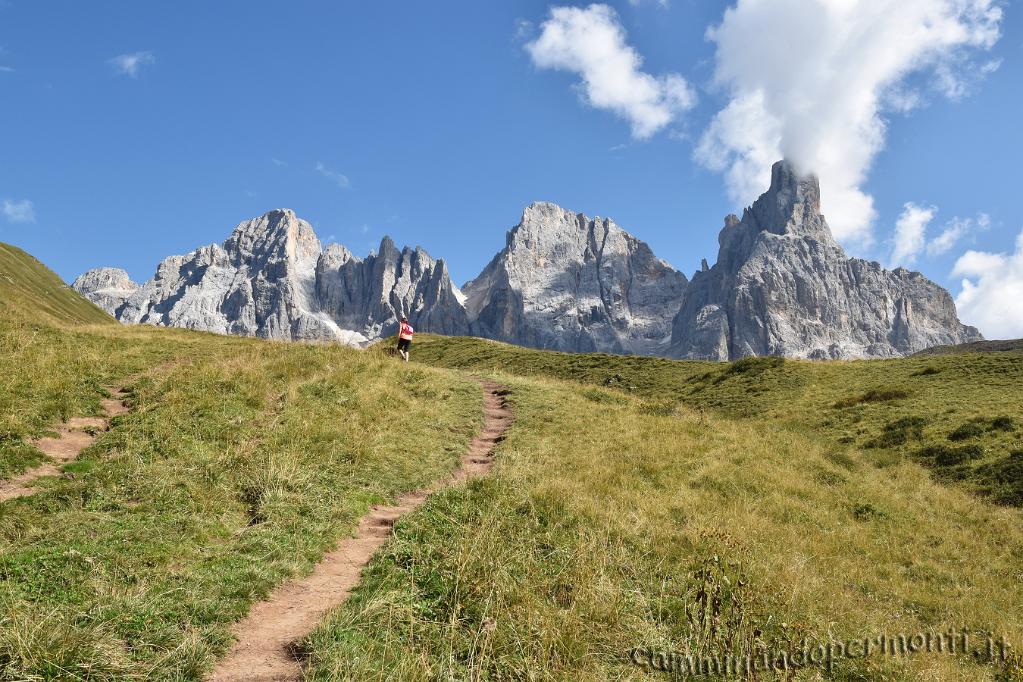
(542,225)
(568,282)
(108,288)
(783,286)
(270,278)
(791,207)
(279,233)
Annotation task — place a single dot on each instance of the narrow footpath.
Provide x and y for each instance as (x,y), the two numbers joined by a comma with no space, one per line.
(74,435)
(266,639)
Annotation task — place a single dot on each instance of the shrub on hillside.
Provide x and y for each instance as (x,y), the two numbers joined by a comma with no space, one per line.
(875,395)
(944,455)
(899,432)
(1003,480)
(970,429)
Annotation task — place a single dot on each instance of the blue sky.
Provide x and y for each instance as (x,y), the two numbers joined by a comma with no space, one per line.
(133,131)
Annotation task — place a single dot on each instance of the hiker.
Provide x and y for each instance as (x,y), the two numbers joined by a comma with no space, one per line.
(405,332)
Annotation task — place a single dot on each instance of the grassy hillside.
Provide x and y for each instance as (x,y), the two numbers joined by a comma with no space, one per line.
(960,415)
(611,525)
(30,290)
(976,347)
(241,462)
(638,506)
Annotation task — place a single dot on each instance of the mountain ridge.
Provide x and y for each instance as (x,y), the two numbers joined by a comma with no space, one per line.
(781,285)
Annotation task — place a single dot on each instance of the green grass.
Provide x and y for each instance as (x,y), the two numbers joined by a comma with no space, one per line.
(30,290)
(888,408)
(234,471)
(608,526)
(240,464)
(697,507)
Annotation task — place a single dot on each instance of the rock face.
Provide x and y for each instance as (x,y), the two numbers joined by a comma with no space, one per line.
(271,279)
(108,288)
(370,295)
(566,282)
(783,286)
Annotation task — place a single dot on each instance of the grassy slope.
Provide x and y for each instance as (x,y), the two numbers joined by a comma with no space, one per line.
(705,504)
(241,462)
(57,351)
(30,290)
(690,510)
(960,415)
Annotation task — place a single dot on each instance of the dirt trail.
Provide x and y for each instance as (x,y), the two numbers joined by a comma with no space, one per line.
(75,435)
(265,649)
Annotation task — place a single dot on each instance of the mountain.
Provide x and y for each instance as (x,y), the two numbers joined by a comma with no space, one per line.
(369,295)
(783,286)
(272,279)
(108,288)
(567,282)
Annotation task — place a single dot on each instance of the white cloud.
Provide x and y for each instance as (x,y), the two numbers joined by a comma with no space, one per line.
(340,179)
(278,162)
(23,211)
(6,69)
(591,42)
(956,229)
(663,4)
(810,81)
(992,294)
(991,66)
(910,230)
(131,64)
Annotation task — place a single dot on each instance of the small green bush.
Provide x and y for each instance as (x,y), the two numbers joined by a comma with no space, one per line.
(864,511)
(899,432)
(970,429)
(751,366)
(943,455)
(874,395)
(1003,480)
(1003,423)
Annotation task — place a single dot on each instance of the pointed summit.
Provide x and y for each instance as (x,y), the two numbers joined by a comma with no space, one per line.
(568,282)
(275,234)
(783,286)
(790,187)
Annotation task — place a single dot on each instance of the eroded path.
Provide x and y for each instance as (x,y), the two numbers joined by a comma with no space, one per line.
(74,435)
(266,638)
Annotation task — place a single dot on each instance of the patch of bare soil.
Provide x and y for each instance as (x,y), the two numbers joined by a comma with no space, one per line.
(266,646)
(73,436)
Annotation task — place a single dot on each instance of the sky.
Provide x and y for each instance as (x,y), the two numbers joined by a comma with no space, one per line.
(131,131)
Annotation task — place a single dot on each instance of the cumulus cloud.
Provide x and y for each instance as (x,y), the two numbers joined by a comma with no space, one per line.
(910,231)
(955,230)
(131,64)
(339,179)
(23,211)
(592,43)
(811,80)
(992,294)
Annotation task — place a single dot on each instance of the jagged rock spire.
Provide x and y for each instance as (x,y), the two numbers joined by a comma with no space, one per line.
(783,286)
